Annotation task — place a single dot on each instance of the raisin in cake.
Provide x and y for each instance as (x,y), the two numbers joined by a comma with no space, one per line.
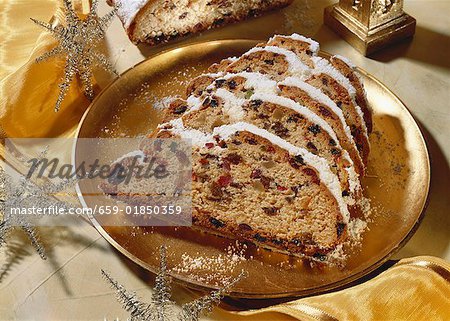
(280,141)
(155,21)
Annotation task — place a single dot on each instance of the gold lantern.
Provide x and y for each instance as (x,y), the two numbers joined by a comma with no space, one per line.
(369,25)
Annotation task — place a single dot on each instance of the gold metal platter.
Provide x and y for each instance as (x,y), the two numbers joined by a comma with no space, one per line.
(397,185)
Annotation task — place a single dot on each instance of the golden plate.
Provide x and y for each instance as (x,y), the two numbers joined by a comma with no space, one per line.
(397,185)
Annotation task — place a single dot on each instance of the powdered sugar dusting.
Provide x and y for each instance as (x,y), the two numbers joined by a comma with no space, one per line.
(128,9)
(317,95)
(232,105)
(296,66)
(323,66)
(309,114)
(163,103)
(197,137)
(353,177)
(313,45)
(207,268)
(345,60)
(194,103)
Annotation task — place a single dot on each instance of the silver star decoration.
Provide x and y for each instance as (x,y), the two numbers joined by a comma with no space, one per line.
(26,194)
(159,308)
(78,41)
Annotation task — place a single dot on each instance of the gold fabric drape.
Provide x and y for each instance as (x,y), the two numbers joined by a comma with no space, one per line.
(413,289)
(28,91)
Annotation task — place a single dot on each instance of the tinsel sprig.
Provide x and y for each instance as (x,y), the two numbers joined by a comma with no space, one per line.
(161,292)
(131,303)
(193,310)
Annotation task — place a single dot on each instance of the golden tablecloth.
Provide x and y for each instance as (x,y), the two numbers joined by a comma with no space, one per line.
(69,286)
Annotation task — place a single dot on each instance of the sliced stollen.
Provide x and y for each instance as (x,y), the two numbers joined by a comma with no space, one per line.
(330,83)
(217,107)
(278,115)
(155,21)
(276,62)
(348,69)
(297,59)
(281,63)
(306,48)
(245,84)
(322,105)
(294,205)
(333,84)
(302,46)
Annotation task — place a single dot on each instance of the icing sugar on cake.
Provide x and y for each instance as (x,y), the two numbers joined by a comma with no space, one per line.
(127,10)
(316,94)
(297,67)
(313,45)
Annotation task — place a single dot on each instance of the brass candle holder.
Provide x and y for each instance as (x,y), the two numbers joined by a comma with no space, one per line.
(370,25)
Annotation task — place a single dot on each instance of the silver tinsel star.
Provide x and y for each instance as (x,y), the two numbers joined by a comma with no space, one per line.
(78,41)
(24,194)
(8,223)
(159,308)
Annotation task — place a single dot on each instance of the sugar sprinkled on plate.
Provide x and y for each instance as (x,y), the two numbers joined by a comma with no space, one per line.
(216,269)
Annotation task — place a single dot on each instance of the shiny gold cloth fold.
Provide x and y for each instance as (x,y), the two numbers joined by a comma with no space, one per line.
(413,289)
(28,90)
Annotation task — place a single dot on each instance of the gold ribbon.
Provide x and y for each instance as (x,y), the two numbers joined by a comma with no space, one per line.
(413,289)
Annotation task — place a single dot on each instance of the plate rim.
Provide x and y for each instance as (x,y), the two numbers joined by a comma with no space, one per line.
(337,285)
